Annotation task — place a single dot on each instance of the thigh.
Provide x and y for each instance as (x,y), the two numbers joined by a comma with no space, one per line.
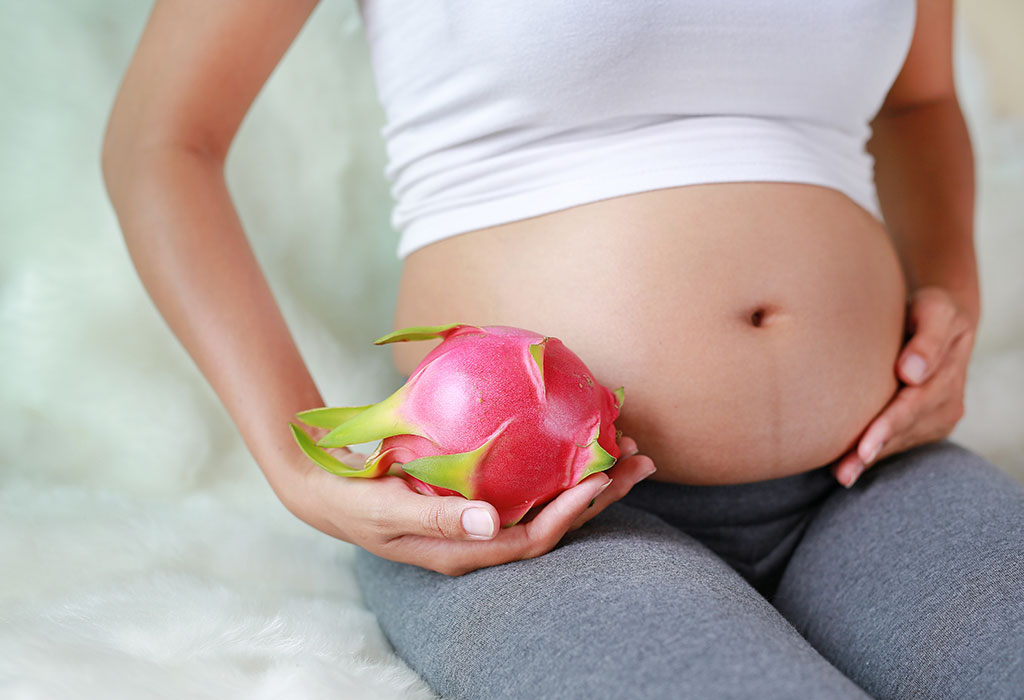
(912,582)
(627,607)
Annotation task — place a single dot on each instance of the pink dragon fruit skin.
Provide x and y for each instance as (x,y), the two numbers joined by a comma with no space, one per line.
(493,413)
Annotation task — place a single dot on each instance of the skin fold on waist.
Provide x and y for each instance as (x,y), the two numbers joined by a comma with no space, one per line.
(755,326)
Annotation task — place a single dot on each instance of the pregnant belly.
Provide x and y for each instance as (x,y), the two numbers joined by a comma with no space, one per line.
(755,326)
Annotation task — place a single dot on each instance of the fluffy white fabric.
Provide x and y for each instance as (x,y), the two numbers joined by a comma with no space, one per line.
(143,555)
(109,595)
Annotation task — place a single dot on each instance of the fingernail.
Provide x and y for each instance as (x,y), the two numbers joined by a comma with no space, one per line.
(869,453)
(854,473)
(649,471)
(914,367)
(477,522)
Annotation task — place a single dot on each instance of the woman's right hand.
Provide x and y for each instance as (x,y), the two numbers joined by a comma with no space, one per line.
(450,534)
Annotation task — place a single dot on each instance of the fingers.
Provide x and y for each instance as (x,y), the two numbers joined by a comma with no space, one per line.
(935,321)
(933,366)
(627,447)
(895,418)
(922,413)
(555,519)
(626,474)
(454,536)
(916,415)
(405,512)
(455,518)
(523,541)
(848,469)
(906,421)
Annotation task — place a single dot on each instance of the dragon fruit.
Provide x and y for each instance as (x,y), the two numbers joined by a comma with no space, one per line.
(493,413)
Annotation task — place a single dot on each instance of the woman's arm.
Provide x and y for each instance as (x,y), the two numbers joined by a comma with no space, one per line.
(924,166)
(197,69)
(924,171)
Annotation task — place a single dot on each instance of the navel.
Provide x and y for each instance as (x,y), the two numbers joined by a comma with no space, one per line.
(761,315)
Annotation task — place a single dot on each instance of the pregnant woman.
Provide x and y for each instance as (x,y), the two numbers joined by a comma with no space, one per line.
(757,217)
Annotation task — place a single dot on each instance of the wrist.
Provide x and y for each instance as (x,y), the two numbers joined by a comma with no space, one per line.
(285,467)
(301,494)
(965,298)
(289,480)
(967,302)
(309,492)
(957,275)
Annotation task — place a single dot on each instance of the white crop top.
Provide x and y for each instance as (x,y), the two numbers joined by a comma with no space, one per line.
(499,110)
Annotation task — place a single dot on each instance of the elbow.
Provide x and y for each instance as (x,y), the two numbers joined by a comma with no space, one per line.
(120,161)
(109,157)
(126,162)
(133,146)
(112,164)
(119,147)
(116,168)
(125,173)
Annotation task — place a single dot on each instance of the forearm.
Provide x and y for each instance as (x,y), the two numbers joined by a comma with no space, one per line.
(193,257)
(924,169)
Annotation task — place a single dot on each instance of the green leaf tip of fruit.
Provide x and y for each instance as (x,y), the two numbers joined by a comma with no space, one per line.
(374,422)
(326,461)
(453,471)
(330,418)
(537,353)
(416,333)
(620,395)
(599,461)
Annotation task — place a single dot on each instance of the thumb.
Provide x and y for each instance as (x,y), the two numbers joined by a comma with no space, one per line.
(450,517)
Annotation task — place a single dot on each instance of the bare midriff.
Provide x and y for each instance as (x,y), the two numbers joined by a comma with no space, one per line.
(754,326)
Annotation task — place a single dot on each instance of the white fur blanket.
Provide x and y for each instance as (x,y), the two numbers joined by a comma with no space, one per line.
(141,553)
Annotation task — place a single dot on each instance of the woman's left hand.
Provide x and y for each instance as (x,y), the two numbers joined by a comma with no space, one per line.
(932,369)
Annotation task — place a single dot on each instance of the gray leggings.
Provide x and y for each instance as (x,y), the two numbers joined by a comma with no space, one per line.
(909,585)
